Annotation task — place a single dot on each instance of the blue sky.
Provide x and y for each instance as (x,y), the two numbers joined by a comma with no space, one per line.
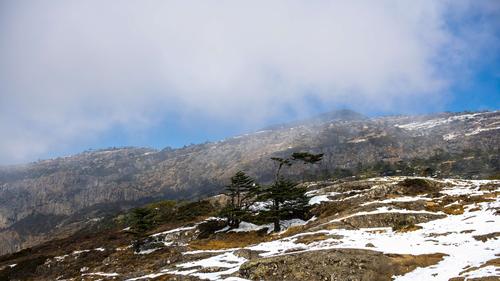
(91,74)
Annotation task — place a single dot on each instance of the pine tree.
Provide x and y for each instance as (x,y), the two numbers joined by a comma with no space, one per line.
(281,162)
(287,198)
(240,191)
(306,158)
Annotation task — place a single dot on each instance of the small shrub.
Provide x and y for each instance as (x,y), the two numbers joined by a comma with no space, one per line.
(405,225)
(230,240)
(209,227)
(192,210)
(413,186)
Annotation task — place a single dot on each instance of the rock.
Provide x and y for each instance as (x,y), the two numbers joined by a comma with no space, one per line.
(338,264)
(394,220)
(247,254)
(486,237)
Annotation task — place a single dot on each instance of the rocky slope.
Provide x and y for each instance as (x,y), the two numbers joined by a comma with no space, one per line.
(386,228)
(66,194)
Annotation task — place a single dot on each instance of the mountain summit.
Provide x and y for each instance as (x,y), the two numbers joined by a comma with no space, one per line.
(332,116)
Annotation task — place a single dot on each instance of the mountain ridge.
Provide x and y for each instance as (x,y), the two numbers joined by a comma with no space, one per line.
(107,181)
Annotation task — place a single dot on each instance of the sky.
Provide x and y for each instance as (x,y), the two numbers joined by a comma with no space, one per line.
(77,75)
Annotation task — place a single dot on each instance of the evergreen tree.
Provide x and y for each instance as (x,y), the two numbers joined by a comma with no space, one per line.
(142,220)
(240,191)
(306,158)
(281,162)
(288,200)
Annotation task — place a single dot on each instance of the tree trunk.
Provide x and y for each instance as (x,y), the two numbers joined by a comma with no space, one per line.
(276,208)
(277,226)
(238,197)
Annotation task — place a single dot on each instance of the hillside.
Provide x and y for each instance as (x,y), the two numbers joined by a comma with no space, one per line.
(385,228)
(70,193)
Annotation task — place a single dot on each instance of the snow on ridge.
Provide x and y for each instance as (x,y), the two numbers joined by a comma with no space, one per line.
(113,274)
(173,231)
(387,210)
(480,130)
(358,140)
(422,125)
(285,224)
(476,131)
(318,199)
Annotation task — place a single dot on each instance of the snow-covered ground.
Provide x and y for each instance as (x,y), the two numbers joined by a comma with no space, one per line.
(455,236)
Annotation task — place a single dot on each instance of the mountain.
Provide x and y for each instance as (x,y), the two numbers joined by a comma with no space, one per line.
(383,228)
(58,197)
(337,115)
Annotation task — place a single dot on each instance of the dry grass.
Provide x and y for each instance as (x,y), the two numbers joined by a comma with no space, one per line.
(293,230)
(407,263)
(432,206)
(307,239)
(488,197)
(377,231)
(454,209)
(408,228)
(446,205)
(229,240)
(493,262)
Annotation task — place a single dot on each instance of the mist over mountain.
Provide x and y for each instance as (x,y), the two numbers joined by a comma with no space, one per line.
(56,197)
(250,140)
(78,74)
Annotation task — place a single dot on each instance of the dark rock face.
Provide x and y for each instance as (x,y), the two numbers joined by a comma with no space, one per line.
(73,191)
(339,264)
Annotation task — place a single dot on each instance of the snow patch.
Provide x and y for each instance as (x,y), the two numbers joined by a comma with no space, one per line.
(226,260)
(429,124)
(113,274)
(318,199)
(173,231)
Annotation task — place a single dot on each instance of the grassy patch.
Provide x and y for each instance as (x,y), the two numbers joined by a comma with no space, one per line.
(454,209)
(229,240)
(412,186)
(307,239)
(407,263)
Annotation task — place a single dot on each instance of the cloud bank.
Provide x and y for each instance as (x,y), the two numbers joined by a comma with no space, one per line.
(73,70)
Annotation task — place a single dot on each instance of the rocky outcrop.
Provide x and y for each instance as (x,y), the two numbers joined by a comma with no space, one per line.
(337,265)
(390,219)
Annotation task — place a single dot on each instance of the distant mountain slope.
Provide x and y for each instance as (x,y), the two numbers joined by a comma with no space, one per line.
(73,191)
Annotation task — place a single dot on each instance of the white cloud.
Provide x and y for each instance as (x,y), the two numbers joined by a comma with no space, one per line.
(74,69)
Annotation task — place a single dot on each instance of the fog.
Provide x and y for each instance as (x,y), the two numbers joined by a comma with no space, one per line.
(71,71)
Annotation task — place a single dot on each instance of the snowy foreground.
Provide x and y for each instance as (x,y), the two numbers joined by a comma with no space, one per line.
(467,236)
(452,235)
